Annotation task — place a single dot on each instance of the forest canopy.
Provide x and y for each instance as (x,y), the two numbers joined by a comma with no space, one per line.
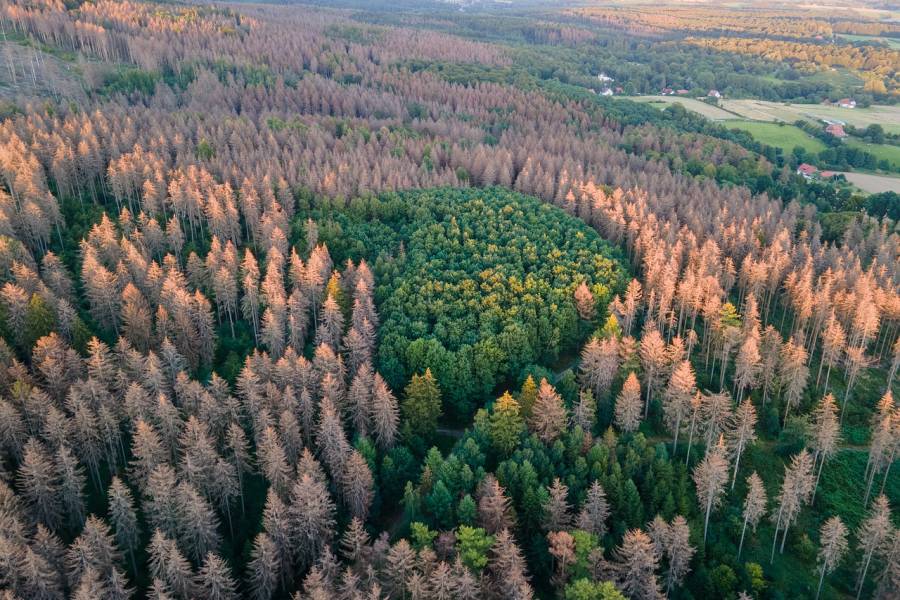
(482,287)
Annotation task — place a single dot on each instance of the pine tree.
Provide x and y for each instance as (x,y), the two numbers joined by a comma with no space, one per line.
(793,373)
(747,365)
(331,439)
(508,576)
(358,407)
(273,460)
(94,548)
(312,519)
(562,549)
(359,487)
(123,517)
(277,526)
(331,324)
(355,541)
(742,433)
(833,344)
(710,477)
(264,568)
(884,442)
(754,506)
(385,414)
(147,450)
(678,552)
(39,484)
(826,434)
(584,414)
(71,486)
(653,362)
(832,547)
(214,579)
(167,564)
(160,506)
(527,397)
(40,580)
(715,416)
(636,561)
(595,511)
(796,490)
(548,418)
(197,522)
(584,302)
(599,364)
(873,534)
(682,387)
(557,511)
(628,405)
(888,578)
(631,304)
(494,508)
(401,562)
(421,407)
(506,424)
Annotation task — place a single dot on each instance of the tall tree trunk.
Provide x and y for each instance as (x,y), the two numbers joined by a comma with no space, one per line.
(741,545)
(821,581)
(737,460)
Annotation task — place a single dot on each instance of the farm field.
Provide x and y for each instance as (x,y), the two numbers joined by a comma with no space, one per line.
(881,151)
(761,110)
(874,184)
(890,42)
(707,110)
(786,137)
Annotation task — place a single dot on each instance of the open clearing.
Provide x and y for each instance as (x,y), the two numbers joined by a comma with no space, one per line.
(707,110)
(761,110)
(778,135)
(873,183)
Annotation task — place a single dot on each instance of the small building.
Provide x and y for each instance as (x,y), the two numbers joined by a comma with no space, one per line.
(847,103)
(827,174)
(714,94)
(619,90)
(682,92)
(807,171)
(667,92)
(836,130)
(604,78)
(606,92)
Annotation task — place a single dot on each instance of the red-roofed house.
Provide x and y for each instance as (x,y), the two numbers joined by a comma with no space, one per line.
(836,130)
(806,170)
(847,103)
(827,174)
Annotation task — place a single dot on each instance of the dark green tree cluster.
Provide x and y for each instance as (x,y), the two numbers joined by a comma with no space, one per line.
(475,284)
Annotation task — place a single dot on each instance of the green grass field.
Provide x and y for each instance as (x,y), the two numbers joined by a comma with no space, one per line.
(761,110)
(661,102)
(881,151)
(786,137)
(890,42)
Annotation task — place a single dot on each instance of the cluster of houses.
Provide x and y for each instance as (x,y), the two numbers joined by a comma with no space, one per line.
(667,91)
(808,171)
(607,90)
(836,130)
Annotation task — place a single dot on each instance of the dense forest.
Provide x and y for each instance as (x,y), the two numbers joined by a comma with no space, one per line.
(295,307)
